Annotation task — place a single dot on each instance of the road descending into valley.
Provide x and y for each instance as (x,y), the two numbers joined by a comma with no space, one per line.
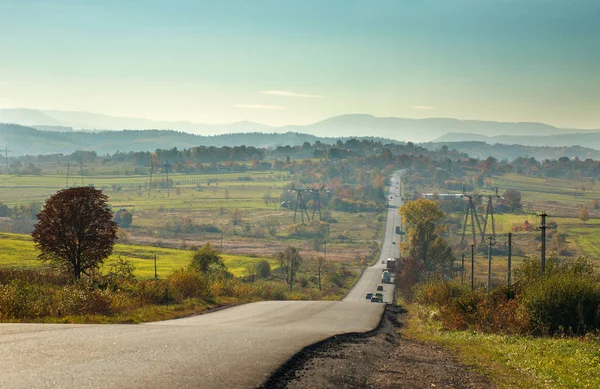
(371,277)
(237,347)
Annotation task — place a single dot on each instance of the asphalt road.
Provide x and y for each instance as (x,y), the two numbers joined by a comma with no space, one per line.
(371,277)
(233,348)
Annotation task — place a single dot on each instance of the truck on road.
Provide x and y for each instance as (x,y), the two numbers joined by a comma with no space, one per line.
(386,277)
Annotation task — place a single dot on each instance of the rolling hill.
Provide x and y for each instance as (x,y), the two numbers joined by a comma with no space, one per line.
(352,125)
(589,139)
(23,140)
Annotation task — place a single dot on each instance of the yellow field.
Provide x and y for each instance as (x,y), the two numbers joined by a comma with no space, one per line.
(18,251)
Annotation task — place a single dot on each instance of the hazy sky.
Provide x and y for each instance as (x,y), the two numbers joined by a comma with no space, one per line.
(292,62)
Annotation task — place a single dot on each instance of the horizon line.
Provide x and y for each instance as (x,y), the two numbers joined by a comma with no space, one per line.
(287,125)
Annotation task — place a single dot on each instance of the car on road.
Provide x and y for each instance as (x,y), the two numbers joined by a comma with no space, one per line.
(379,296)
(376,300)
(380,288)
(369,296)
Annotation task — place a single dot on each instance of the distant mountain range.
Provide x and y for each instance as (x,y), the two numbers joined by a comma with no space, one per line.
(352,125)
(482,150)
(420,130)
(97,121)
(586,138)
(23,140)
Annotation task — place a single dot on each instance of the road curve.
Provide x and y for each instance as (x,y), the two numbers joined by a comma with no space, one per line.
(237,347)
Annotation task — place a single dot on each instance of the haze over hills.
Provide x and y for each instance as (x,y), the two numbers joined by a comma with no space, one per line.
(23,140)
(419,130)
(97,121)
(509,152)
(589,139)
(351,125)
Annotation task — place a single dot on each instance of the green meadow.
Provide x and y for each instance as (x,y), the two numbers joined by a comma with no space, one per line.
(514,361)
(547,192)
(18,251)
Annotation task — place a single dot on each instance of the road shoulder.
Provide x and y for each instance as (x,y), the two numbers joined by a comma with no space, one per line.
(382,358)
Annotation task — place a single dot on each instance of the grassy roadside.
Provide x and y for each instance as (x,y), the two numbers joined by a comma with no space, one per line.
(146,314)
(517,361)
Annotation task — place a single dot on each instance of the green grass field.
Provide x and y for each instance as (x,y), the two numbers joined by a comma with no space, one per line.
(183,195)
(516,361)
(587,238)
(200,199)
(18,251)
(547,191)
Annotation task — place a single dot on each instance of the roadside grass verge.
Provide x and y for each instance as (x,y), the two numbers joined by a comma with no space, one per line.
(146,314)
(514,361)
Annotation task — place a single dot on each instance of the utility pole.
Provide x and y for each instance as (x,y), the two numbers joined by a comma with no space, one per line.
(472,211)
(150,184)
(167,173)
(67,184)
(490,211)
(317,205)
(543,228)
(81,170)
(6,158)
(320,263)
(509,257)
(489,275)
(155,274)
(300,201)
(472,266)
(462,269)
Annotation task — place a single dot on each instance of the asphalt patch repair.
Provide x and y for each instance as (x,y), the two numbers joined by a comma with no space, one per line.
(378,359)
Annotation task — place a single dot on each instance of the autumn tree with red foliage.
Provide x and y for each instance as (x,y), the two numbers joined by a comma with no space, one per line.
(409,275)
(75,231)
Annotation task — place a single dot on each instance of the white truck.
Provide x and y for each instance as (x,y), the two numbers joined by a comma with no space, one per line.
(386,277)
